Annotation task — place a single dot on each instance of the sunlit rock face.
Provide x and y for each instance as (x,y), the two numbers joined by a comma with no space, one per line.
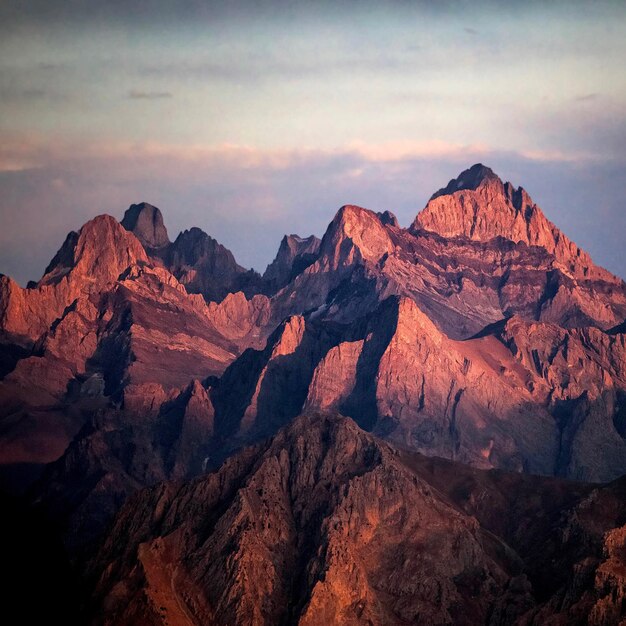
(326,524)
(480,334)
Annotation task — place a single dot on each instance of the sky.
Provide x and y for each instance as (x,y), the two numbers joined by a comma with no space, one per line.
(256,119)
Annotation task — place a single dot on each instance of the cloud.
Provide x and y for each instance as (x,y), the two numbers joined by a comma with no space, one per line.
(31,83)
(149,95)
(196,11)
(254,68)
(48,67)
(409,150)
(470,31)
(596,131)
(30,94)
(587,97)
(22,152)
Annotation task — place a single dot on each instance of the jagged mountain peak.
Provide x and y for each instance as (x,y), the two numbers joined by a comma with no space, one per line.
(469,179)
(88,262)
(326,512)
(63,260)
(194,232)
(349,212)
(295,240)
(104,234)
(295,254)
(205,266)
(379,323)
(351,218)
(355,233)
(194,245)
(145,221)
(388,218)
(101,250)
(479,206)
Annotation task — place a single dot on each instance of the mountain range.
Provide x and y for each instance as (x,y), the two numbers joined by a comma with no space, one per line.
(389,426)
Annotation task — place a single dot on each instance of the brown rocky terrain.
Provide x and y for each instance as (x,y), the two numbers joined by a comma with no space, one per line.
(197,260)
(105,329)
(479,206)
(326,524)
(405,330)
(204,266)
(480,334)
(539,403)
(463,284)
(294,255)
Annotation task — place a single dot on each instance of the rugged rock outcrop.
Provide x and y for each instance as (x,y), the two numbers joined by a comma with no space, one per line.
(335,377)
(118,452)
(202,264)
(480,334)
(461,283)
(87,262)
(146,223)
(524,396)
(242,319)
(479,206)
(326,524)
(198,261)
(52,330)
(582,375)
(105,328)
(294,255)
(404,330)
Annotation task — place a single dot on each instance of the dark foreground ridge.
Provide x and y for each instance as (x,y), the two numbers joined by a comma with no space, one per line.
(326,524)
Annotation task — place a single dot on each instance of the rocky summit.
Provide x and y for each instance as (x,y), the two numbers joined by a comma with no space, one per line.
(389,426)
(146,223)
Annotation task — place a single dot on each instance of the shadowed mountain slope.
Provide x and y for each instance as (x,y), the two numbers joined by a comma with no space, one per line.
(326,524)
